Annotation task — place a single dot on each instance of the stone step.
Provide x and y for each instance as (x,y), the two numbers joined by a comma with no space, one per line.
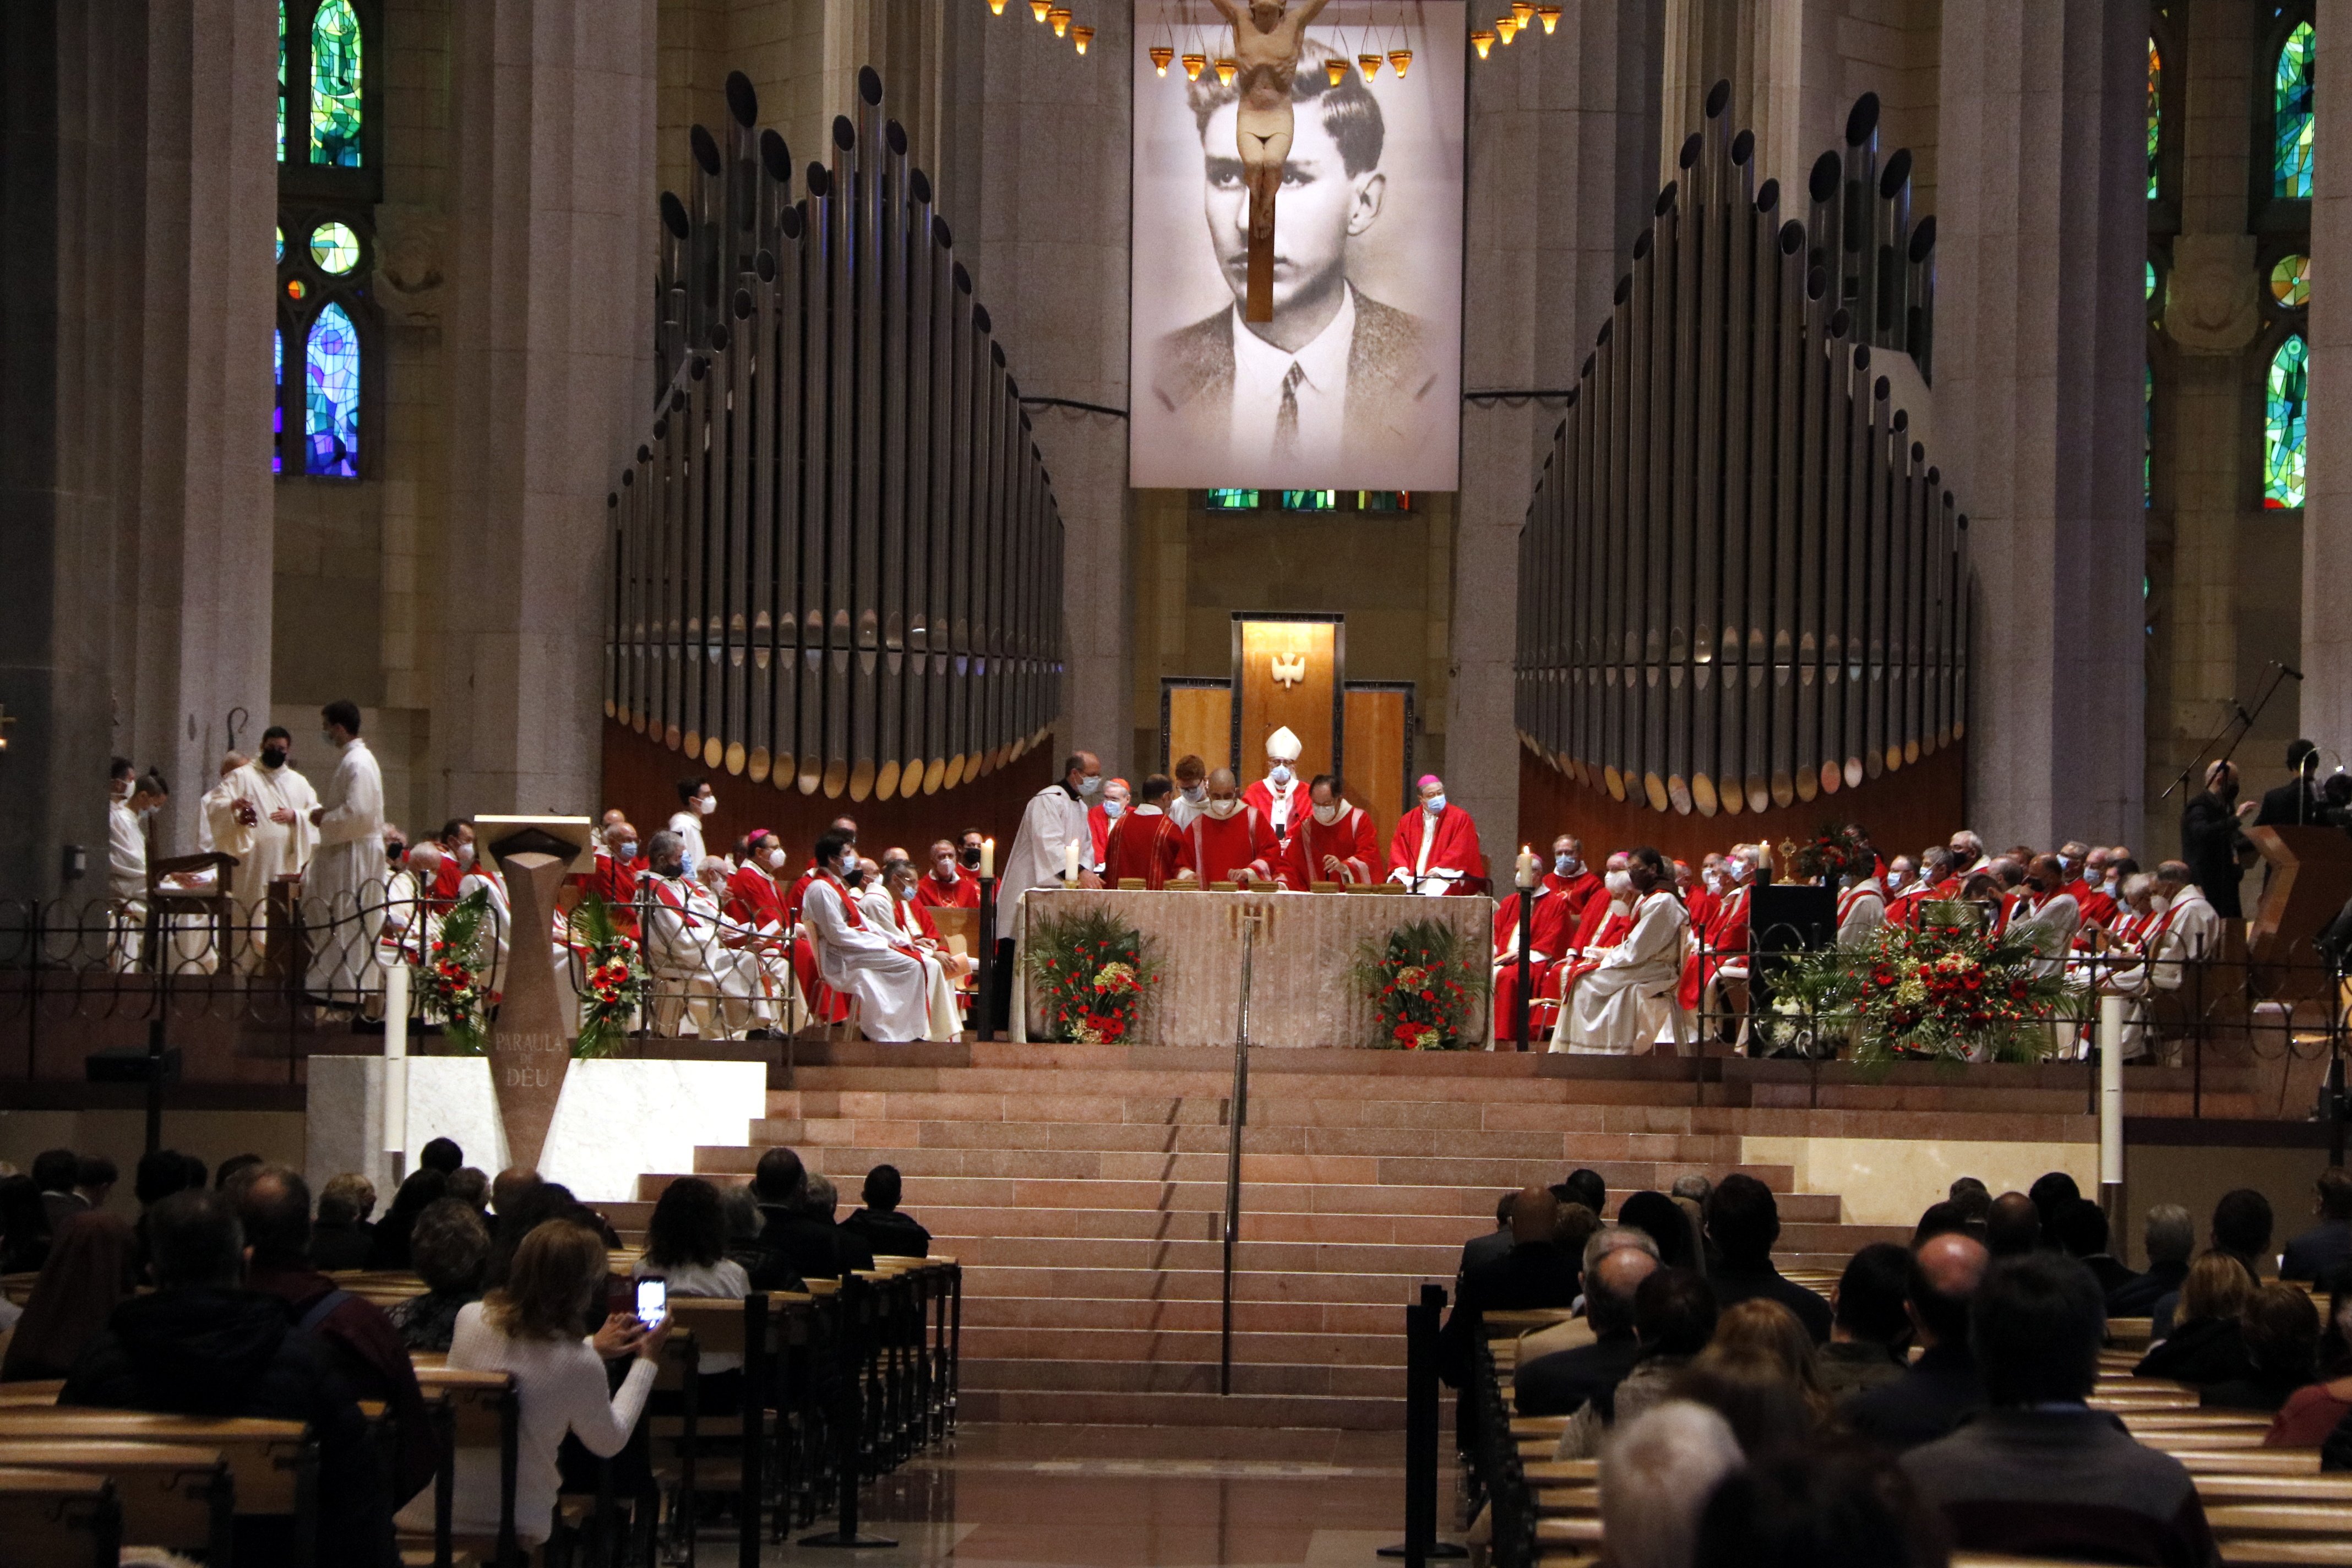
(1256,1281)
(1260,1136)
(1039,1376)
(1252,1317)
(1057,1407)
(1193,1346)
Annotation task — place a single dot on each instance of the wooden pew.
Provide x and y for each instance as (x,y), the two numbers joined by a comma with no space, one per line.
(56,1517)
(43,1392)
(273,1465)
(172,1496)
(475,1410)
(2203,1462)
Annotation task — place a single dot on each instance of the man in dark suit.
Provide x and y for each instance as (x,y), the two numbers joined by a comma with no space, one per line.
(1561,1382)
(1744,1220)
(1495,1243)
(2296,802)
(1337,376)
(2209,840)
(1942,1386)
(2323,1254)
(1536,1272)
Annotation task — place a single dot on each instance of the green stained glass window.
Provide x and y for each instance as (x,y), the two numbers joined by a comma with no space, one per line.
(2293,125)
(2155,121)
(2283,422)
(2291,281)
(1384,501)
(335,85)
(2151,282)
(1310,500)
(281,244)
(281,81)
(1232,500)
(330,396)
(2147,437)
(335,248)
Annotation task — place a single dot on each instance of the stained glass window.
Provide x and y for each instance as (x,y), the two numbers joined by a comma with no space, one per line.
(2291,282)
(2294,127)
(2282,424)
(1310,500)
(2147,437)
(332,396)
(278,403)
(1232,500)
(281,89)
(2155,121)
(281,243)
(1384,501)
(335,85)
(335,248)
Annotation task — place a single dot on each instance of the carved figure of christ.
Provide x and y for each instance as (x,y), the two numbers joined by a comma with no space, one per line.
(1267,37)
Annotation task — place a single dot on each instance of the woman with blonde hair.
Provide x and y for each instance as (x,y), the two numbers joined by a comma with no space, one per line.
(1758,1372)
(535,1328)
(2207,1344)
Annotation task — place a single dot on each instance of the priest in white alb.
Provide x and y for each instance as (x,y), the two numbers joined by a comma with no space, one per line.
(1628,999)
(860,957)
(686,948)
(1053,839)
(343,893)
(1279,797)
(260,813)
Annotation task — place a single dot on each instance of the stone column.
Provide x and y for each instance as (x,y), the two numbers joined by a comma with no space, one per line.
(1034,187)
(547,352)
(2327,499)
(2040,346)
(1563,136)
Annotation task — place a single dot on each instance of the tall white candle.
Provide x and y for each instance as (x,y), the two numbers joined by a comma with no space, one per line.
(395,1059)
(988,856)
(1070,862)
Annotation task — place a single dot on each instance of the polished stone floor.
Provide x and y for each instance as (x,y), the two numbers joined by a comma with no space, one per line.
(1125,1497)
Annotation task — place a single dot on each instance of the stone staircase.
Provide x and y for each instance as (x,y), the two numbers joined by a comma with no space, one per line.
(1083,1187)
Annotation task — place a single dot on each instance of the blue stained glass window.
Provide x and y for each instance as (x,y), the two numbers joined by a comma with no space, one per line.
(2293,127)
(1232,500)
(330,396)
(281,81)
(277,402)
(335,85)
(2284,406)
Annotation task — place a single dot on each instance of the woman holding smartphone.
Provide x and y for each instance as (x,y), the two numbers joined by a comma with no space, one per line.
(536,1327)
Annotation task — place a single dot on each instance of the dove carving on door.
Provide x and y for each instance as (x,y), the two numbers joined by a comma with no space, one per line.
(1288,670)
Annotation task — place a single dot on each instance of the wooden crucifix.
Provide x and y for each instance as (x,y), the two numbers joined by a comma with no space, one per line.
(1269,36)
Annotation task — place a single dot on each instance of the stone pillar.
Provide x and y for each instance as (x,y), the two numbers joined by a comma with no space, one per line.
(1561,140)
(2041,344)
(2327,499)
(1034,187)
(547,352)
(139,191)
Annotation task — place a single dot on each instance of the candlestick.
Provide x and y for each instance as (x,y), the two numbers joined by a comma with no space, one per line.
(988,858)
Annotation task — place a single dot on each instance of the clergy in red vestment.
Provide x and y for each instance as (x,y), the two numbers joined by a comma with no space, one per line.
(1104,815)
(1723,946)
(1435,849)
(1547,938)
(615,879)
(1145,843)
(1919,886)
(457,841)
(1332,841)
(1575,883)
(2093,883)
(1277,796)
(1229,842)
(755,893)
(944,886)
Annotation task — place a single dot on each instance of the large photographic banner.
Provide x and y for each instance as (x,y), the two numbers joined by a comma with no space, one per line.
(1357,382)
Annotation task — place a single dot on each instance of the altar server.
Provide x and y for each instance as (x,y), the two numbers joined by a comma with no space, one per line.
(1628,999)
(1276,795)
(342,894)
(888,897)
(1191,776)
(685,944)
(1054,818)
(1434,849)
(856,955)
(1145,845)
(260,813)
(1547,938)
(1229,841)
(1332,841)
(696,801)
(1861,907)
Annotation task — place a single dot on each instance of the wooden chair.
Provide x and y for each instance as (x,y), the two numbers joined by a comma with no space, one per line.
(179,1497)
(57,1517)
(477,1410)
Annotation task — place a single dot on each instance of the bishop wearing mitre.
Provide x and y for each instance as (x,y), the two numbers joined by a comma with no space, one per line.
(1229,841)
(1277,796)
(1332,842)
(1434,849)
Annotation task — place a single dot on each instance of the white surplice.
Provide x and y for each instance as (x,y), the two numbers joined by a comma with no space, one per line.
(685,946)
(1053,821)
(344,888)
(266,850)
(1621,1006)
(861,957)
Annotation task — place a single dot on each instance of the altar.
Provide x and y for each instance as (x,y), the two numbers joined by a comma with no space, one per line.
(1300,991)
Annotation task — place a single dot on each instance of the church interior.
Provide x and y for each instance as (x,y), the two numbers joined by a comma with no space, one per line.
(1174,781)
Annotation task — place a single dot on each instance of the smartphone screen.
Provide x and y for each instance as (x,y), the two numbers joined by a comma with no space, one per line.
(653,1300)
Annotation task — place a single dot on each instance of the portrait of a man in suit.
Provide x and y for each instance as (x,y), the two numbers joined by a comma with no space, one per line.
(1339,387)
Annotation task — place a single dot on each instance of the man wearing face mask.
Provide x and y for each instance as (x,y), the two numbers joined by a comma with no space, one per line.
(1434,849)
(618,867)
(755,893)
(135,802)
(2047,915)
(1331,842)
(1571,878)
(1053,820)
(857,955)
(1276,795)
(342,891)
(1229,841)
(260,813)
(945,886)
(1627,1000)
(696,802)
(1145,844)
(2094,886)
(457,842)
(1608,917)
(968,851)
(1547,928)
(901,912)
(1103,815)
(1722,953)
(686,944)
(1191,790)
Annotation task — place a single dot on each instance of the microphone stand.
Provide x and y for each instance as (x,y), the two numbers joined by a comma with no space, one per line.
(2240,720)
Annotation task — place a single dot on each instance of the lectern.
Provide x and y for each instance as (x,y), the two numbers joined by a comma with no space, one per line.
(530,1045)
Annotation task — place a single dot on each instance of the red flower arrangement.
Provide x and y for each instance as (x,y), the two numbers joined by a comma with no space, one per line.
(1094,971)
(1426,985)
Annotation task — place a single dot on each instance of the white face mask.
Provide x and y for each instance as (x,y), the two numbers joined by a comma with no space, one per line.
(1896,878)
(1566,865)
(465,854)
(1222,809)
(775,858)
(1090,784)
(1715,882)
(327,736)
(1194,792)
(1327,815)
(1279,774)
(1434,805)
(848,862)
(1620,885)
(707,804)
(1111,808)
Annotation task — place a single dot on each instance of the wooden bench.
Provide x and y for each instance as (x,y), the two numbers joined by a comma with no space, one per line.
(2203,1462)
(273,1466)
(475,1410)
(179,1497)
(56,1517)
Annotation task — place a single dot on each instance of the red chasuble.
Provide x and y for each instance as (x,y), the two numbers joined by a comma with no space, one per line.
(753,899)
(1574,892)
(1455,846)
(1726,938)
(1262,794)
(963,893)
(1547,938)
(1243,841)
(1350,838)
(1144,843)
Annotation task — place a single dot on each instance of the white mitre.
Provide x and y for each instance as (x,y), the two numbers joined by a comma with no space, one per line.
(1282,746)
